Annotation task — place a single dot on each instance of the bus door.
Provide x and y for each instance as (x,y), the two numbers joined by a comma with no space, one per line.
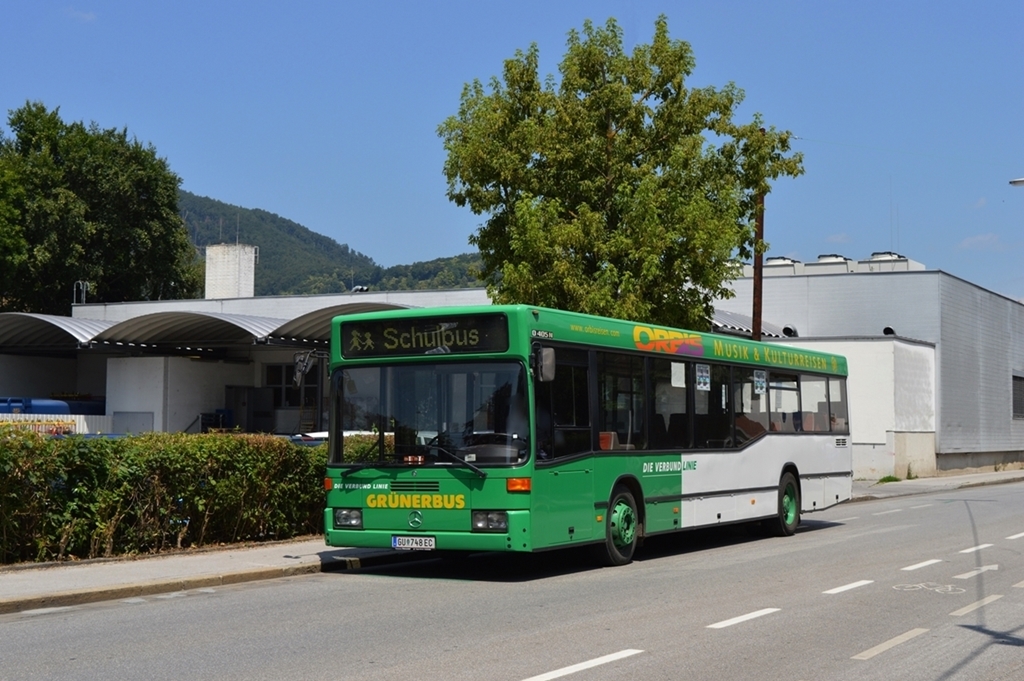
(563,480)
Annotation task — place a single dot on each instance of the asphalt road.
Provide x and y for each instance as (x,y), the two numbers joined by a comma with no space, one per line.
(923,587)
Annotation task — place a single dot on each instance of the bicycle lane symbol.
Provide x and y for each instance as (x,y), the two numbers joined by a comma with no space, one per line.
(930,586)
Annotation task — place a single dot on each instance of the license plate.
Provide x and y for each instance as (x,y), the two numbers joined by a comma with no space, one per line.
(414,543)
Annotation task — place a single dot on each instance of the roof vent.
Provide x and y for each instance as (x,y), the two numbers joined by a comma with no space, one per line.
(832,257)
(886,255)
(780,260)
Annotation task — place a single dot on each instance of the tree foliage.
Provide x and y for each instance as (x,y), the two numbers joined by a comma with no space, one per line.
(617,190)
(80,203)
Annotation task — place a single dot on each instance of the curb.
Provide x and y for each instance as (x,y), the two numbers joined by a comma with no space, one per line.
(161,586)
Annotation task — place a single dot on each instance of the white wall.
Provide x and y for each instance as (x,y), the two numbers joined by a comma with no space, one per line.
(137,384)
(195,387)
(891,389)
(914,398)
(230,271)
(22,376)
(174,389)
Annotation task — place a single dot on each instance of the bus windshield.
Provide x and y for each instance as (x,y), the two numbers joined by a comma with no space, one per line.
(437,414)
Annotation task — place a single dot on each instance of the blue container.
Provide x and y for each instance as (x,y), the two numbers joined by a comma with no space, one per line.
(29,405)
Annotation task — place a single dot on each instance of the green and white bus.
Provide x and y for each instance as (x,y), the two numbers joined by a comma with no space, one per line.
(518,428)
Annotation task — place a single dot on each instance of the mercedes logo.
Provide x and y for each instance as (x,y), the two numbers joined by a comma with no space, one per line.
(415,520)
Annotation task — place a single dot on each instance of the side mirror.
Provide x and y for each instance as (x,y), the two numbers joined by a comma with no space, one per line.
(544,363)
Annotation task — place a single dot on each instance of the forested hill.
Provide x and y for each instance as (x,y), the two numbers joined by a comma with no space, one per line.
(296,260)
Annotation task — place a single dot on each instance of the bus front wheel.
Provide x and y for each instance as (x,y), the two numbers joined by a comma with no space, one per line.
(622,527)
(788,517)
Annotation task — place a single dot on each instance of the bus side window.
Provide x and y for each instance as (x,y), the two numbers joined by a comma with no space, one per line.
(838,411)
(750,406)
(670,423)
(712,419)
(813,396)
(622,407)
(570,403)
(783,402)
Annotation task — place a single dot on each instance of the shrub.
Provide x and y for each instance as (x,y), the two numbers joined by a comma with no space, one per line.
(83,498)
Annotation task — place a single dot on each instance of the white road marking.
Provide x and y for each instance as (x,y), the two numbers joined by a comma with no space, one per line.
(854,585)
(895,510)
(742,618)
(134,601)
(976,548)
(1016,536)
(1019,585)
(846,520)
(918,566)
(975,573)
(891,643)
(921,506)
(597,661)
(974,606)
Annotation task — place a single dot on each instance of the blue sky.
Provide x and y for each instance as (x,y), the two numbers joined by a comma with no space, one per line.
(910,114)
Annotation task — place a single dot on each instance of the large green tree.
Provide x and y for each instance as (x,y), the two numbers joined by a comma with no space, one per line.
(80,203)
(616,189)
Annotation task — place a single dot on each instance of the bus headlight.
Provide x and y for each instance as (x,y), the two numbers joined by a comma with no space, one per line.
(490,521)
(348,518)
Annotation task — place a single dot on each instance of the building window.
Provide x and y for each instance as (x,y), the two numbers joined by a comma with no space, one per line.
(1018,397)
(281,379)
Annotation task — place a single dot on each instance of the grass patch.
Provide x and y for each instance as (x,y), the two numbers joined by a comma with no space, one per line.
(889,478)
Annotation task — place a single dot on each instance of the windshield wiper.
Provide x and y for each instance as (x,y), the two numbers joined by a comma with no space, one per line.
(457,459)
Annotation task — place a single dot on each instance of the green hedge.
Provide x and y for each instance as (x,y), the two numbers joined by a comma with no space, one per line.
(83,498)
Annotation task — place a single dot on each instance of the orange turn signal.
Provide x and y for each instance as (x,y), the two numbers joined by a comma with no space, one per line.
(328,484)
(518,484)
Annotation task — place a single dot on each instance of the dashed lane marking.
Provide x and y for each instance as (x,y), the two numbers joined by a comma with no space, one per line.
(914,508)
(974,606)
(976,548)
(895,510)
(918,566)
(891,643)
(1016,536)
(743,618)
(589,664)
(846,520)
(847,587)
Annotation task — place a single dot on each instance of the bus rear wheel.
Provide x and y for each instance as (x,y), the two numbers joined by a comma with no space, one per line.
(622,528)
(788,516)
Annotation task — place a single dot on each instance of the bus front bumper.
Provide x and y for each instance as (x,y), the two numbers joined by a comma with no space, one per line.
(516,538)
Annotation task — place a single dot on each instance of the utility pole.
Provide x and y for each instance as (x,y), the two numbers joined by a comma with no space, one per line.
(755,326)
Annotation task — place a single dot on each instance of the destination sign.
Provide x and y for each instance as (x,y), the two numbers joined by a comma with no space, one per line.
(424,336)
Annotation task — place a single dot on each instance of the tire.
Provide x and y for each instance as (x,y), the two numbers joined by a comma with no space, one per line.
(788,516)
(622,529)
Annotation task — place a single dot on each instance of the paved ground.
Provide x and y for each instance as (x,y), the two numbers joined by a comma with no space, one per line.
(30,587)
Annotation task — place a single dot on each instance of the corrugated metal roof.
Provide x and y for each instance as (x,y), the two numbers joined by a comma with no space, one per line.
(190,328)
(733,322)
(21,330)
(46,331)
(316,325)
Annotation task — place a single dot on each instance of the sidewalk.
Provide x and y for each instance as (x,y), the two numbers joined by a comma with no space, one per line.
(867,489)
(52,585)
